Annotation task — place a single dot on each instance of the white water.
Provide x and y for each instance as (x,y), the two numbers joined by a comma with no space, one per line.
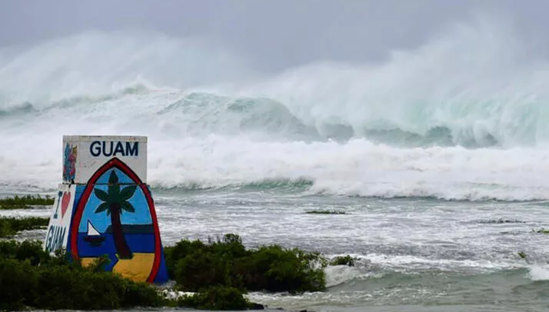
(539,273)
(410,251)
(214,122)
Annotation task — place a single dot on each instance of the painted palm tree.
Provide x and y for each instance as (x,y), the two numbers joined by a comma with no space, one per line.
(114,203)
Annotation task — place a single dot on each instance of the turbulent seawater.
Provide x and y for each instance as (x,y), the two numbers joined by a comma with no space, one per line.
(439,156)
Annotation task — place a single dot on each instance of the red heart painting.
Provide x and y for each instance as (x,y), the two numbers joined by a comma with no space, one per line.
(65,203)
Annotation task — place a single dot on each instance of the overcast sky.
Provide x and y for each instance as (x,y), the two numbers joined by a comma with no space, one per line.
(275,33)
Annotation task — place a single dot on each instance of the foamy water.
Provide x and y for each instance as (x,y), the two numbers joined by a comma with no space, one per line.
(413,126)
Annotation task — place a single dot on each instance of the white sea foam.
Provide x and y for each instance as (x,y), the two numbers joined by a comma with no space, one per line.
(400,124)
(539,272)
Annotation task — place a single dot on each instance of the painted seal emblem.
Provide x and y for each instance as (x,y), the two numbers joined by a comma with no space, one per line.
(115,215)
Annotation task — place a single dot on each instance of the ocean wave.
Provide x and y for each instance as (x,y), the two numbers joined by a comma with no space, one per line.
(177,113)
(201,114)
(414,125)
(356,167)
(490,94)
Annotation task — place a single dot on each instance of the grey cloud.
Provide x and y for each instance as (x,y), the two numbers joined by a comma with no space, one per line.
(275,33)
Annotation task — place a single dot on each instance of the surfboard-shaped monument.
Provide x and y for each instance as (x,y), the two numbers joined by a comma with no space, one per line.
(104,206)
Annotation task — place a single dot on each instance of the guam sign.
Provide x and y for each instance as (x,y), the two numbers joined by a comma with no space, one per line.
(110,210)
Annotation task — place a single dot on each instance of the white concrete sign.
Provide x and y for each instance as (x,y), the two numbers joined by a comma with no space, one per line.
(60,220)
(84,155)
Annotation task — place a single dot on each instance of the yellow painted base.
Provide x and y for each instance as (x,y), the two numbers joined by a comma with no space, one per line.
(87,261)
(137,269)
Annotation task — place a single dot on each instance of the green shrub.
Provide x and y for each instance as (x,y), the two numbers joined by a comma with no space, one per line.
(18,284)
(195,266)
(200,270)
(23,202)
(29,277)
(9,226)
(343,260)
(179,251)
(217,298)
(272,268)
(64,288)
(30,251)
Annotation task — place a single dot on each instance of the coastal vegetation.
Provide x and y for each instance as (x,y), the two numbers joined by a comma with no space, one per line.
(343,260)
(215,275)
(25,202)
(9,226)
(195,266)
(216,298)
(30,277)
(218,272)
